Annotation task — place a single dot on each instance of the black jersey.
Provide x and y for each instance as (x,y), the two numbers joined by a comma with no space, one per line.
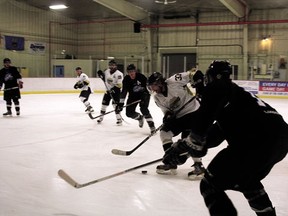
(9,76)
(239,114)
(135,87)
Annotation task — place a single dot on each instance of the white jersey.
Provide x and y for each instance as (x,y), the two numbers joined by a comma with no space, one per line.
(114,79)
(176,88)
(83,77)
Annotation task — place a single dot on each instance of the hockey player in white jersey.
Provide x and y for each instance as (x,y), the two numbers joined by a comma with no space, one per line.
(112,78)
(83,83)
(174,97)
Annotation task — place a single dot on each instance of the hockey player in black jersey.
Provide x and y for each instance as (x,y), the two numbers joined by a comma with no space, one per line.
(257,138)
(12,80)
(134,83)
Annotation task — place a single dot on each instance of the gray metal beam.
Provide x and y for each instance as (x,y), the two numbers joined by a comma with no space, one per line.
(237,7)
(125,8)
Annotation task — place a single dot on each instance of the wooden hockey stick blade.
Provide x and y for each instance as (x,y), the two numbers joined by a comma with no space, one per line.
(126,153)
(92,117)
(67,178)
(120,152)
(72,182)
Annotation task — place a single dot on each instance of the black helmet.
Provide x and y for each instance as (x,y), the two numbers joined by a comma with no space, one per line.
(131,67)
(219,70)
(156,77)
(111,62)
(6,60)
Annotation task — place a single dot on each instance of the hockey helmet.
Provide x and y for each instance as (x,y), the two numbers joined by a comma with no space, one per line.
(155,78)
(219,70)
(112,62)
(6,60)
(131,67)
(156,83)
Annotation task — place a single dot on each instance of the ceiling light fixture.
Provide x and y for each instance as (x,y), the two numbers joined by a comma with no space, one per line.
(58,7)
(165,2)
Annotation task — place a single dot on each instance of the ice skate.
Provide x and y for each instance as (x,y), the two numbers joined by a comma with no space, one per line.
(198,172)
(17,113)
(119,119)
(8,113)
(166,169)
(141,121)
(89,109)
(119,122)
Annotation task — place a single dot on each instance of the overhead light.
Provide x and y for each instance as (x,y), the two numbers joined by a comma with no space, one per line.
(58,7)
(165,2)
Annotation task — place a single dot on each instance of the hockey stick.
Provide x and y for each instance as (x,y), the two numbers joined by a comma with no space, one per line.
(8,89)
(75,184)
(126,153)
(121,152)
(92,117)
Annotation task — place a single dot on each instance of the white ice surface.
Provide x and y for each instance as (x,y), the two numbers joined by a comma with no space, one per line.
(53,133)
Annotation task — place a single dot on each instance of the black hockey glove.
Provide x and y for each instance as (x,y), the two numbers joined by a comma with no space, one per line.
(80,84)
(198,82)
(169,117)
(119,107)
(177,154)
(101,74)
(76,86)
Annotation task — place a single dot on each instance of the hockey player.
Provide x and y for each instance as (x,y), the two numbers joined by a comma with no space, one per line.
(12,80)
(83,84)
(135,83)
(172,96)
(257,138)
(112,79)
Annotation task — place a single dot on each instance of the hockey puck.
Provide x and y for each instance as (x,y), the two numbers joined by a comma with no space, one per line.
(144,171)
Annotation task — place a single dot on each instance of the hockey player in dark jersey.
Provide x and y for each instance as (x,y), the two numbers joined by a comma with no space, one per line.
(257,138)
(12,80)
(134,83)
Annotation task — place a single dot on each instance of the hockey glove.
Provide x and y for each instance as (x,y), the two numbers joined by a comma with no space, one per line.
(169,117)
(198,82)
(176,154)
(119,107)
(20,84)
(80,84)
(101,74)
(76,86)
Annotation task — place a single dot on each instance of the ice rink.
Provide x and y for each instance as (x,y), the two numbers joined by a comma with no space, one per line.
(53,133)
